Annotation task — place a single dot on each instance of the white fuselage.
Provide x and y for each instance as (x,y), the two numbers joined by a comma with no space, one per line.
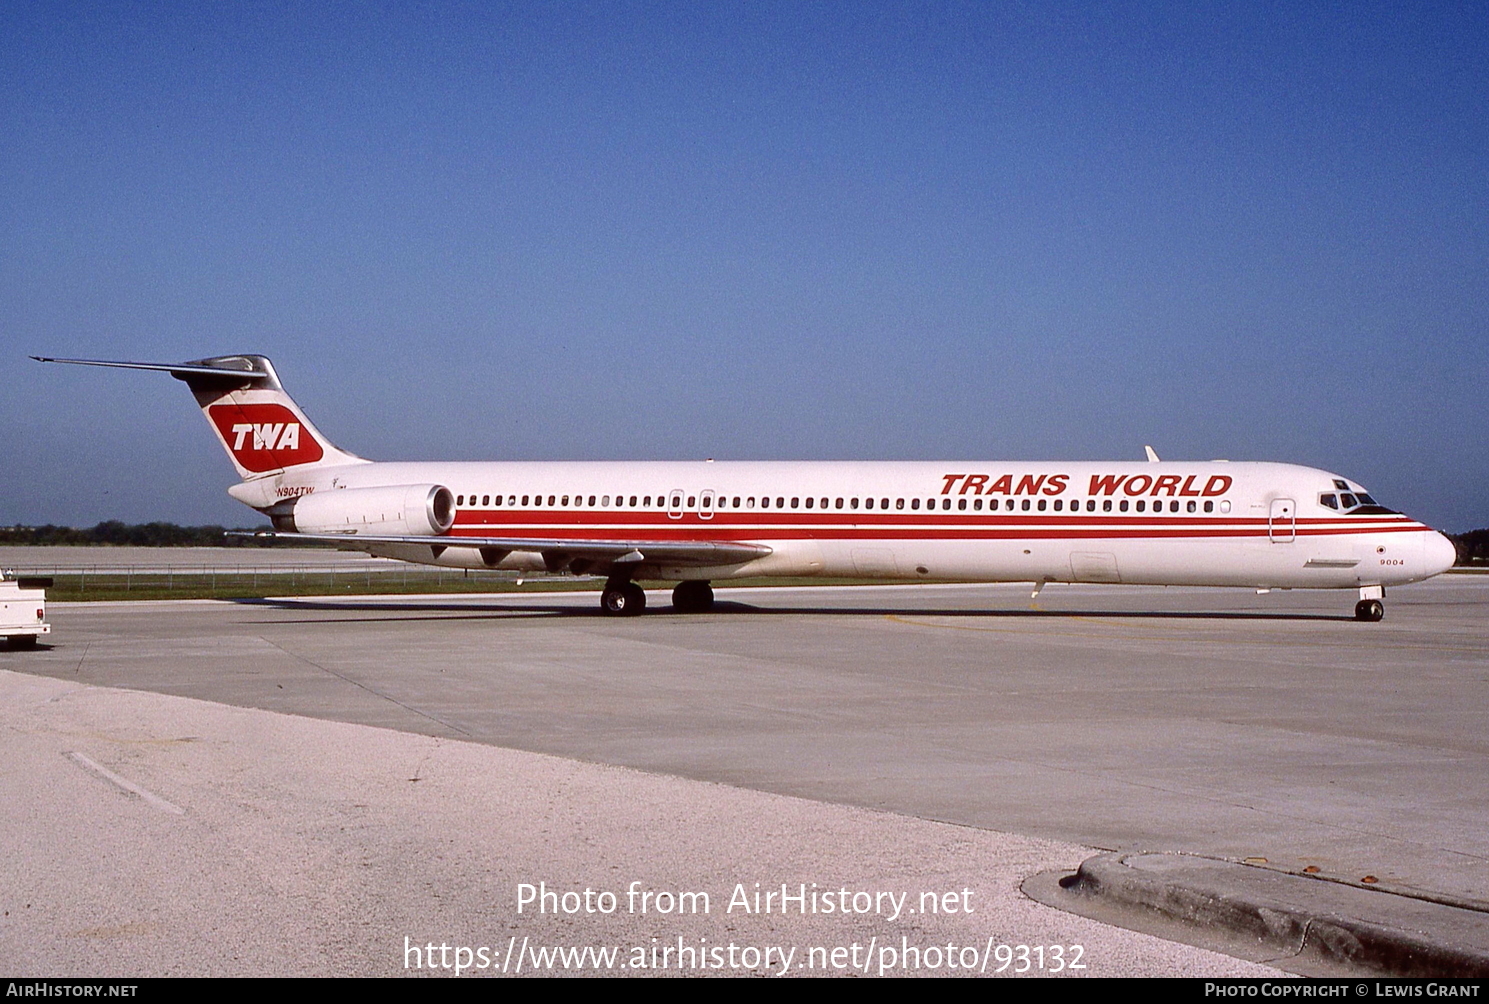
(1215,524)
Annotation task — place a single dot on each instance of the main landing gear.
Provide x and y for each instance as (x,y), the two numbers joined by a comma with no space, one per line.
(622,598)
(692,598)
(1370,607)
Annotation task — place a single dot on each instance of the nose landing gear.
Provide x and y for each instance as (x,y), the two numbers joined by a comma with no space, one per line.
(1370,607)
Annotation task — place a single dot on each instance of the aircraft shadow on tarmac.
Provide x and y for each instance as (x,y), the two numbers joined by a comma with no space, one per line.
(508,610)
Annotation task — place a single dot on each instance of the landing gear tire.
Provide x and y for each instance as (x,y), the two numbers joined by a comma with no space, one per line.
(625,600)
(1369,610)
(692,598)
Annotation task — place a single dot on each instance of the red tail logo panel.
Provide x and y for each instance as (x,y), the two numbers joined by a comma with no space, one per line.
(264,437)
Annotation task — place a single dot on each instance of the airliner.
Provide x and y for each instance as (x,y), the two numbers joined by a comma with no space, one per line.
(1259,525)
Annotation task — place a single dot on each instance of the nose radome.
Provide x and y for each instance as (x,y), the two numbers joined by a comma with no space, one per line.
(1439,553)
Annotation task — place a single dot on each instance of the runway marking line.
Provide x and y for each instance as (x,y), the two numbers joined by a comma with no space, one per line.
(149,797)
(899,619)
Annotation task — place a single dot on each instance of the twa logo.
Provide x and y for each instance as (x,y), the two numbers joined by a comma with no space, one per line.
(264,437)
(268,436)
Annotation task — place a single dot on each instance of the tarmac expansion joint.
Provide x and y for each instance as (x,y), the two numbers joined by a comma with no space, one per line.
(1295,922)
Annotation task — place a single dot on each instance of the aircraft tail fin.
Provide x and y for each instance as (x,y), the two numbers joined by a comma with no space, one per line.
(260,427)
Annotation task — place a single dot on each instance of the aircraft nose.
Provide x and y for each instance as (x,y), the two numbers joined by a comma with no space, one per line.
(1438,553)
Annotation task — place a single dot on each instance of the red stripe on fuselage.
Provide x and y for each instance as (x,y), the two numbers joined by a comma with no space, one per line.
(594,526)
(528,517)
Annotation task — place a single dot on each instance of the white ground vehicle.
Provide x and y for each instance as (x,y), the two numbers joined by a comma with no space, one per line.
(23,609)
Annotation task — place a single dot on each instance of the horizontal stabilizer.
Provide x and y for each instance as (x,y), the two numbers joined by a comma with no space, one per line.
(179,370)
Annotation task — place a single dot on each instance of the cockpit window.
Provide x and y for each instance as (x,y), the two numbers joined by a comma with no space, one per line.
(1354,503)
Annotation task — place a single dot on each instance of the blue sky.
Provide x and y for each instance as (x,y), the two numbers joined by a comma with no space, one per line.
(662,231)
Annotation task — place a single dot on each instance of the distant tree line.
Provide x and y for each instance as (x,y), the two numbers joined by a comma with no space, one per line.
(135,535)
(1473,547)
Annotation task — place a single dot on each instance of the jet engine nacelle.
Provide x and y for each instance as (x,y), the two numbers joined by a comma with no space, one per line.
(403,510)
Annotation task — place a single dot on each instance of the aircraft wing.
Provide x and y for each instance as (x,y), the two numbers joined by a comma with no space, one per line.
(688,552)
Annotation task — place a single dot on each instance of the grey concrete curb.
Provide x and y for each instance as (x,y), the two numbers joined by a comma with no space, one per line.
(1319,923)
